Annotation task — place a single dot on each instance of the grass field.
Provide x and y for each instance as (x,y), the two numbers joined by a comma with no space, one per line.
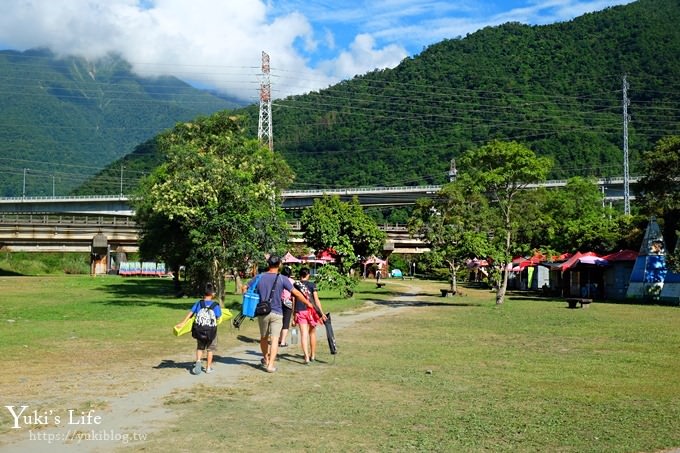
(434,374)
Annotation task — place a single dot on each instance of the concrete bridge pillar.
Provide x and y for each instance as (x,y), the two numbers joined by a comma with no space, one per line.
(99,255)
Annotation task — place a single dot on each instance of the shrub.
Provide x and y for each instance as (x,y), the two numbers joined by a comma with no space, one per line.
(328,277)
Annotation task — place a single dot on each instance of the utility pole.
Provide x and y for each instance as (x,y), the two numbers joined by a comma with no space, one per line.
(626,176)
(121,179)
(264,125)
(23,192)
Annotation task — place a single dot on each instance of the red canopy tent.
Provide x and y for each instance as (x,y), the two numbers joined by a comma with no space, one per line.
(382,264)
(478,266)
(374,260)
(477,263)
(326,255)
(520,263)
(288,258)
(622,255)
(584,258)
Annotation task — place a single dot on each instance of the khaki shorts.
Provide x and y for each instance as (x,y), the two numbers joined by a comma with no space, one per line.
(270,325)
(210,347)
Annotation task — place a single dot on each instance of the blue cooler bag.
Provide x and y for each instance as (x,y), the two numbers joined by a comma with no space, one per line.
(250,299)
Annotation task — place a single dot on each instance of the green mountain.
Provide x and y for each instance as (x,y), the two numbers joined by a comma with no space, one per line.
(63,119)
(556,88)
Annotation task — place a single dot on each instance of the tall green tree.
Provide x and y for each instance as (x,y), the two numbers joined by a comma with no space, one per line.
(502,170)
(660,187)
(454,226)
(344,227)
(579,219)
(220,192)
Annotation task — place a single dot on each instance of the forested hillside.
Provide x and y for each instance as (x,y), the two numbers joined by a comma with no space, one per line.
(63,119)
(556,88)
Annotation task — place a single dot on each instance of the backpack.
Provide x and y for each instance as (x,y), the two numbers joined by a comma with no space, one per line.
(302,288)
(204,328)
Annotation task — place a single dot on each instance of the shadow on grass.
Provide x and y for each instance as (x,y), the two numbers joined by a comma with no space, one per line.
(531,296)
(244,339)
(253,362)
(166,364)
(446,302)
(536,298)
(146,292)
(4,273)
(424,294)
(383,292)
(171,364)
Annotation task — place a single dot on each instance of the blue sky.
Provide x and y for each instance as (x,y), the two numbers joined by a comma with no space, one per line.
(218,43)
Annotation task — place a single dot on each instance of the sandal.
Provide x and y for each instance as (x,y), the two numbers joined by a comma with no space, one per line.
(270,370)
(283,345)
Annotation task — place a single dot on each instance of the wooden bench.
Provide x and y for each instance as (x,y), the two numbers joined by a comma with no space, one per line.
(446,292)
(407,277)
(575,301)
(379,285)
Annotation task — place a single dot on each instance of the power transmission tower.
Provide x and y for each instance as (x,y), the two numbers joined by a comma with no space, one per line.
(626,176)
(264,124)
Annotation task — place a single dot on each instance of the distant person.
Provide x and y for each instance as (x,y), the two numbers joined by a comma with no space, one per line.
(308,314)
(287,300)
(209,345)
(270,325)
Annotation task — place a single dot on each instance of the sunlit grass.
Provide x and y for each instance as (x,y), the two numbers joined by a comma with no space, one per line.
(440,374)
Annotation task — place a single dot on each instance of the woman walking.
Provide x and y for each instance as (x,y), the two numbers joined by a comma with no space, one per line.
(308,314)
(287,300)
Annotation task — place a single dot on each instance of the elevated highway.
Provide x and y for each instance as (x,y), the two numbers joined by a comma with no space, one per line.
(65,233)
(74,233)
(70,223)
(116,205)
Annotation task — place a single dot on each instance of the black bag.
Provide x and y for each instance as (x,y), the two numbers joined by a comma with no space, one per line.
(264,307)
(204,328)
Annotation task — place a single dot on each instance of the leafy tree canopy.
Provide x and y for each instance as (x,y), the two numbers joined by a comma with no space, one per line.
(218,192)
(344,227)
(580,220)
(660,187)
(454,225)
(502,171)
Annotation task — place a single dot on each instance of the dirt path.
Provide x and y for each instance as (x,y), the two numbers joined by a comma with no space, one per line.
(128,420)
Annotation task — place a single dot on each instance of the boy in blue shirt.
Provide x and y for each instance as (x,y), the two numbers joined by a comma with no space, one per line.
(209,345)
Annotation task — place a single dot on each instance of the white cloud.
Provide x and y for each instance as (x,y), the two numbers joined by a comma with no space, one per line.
(213,43)
(362,57)
(218,43)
